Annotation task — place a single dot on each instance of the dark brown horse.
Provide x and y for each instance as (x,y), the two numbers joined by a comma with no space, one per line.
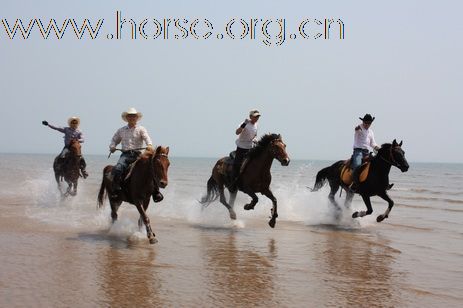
(254,178)
(147,175)
(68,168)
(376,182)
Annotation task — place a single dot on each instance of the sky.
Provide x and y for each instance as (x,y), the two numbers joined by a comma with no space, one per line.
(400,61)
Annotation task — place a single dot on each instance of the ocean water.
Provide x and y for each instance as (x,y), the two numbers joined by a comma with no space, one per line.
(59,252)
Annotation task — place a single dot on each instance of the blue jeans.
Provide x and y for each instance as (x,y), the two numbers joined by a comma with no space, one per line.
(124,161)
(356,159)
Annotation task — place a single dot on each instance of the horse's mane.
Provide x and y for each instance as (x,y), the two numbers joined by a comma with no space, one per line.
(261,144)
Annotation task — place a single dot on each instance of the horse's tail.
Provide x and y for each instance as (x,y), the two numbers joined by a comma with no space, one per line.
(321,178)
(101,194)
(212,192)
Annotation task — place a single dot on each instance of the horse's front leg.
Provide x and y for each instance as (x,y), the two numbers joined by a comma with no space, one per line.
(385,197)
(273,211)
(146,220)
(366,200)
(250,206)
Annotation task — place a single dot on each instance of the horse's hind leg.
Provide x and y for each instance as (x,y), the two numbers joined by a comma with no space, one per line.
(146,220)
(334,187)
(385,197)
(349,197)
(114,207)
(367,201)
(232,203)
(223,200)
(274,212)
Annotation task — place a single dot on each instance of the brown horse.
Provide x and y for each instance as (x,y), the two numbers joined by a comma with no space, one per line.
(146,176)
(254,177)
(68,168)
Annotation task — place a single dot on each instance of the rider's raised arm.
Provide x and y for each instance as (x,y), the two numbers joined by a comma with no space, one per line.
(60,129)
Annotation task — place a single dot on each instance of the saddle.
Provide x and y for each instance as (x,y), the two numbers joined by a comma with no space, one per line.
(347,176)
(227,164)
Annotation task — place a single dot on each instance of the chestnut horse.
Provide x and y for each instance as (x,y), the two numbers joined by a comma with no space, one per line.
(375,184)
(147,174)
(254,177)
(68,168)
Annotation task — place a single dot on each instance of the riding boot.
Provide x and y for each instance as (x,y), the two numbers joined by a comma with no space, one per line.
(82,168)
(355,180)
(116,185)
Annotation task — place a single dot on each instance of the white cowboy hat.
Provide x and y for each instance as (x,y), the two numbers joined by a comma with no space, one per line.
(131,111)
(254,113)
(73,119)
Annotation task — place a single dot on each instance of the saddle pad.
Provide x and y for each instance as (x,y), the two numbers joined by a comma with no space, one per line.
(346,173)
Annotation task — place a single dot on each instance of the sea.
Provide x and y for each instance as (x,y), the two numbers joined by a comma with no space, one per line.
(65,252)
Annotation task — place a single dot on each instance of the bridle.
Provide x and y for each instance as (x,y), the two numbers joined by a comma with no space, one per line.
(156,157)
(392,161)
(273,149)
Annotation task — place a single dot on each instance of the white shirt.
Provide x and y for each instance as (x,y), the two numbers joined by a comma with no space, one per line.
(364,138)
(245,139)
(130,138)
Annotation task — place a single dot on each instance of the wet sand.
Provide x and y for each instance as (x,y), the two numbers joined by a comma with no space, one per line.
(196,265)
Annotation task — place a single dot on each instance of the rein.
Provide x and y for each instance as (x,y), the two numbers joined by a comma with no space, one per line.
(392,161)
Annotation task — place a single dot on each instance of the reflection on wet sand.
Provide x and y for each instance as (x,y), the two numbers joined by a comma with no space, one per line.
(236,275)
(128,278)
(360,267)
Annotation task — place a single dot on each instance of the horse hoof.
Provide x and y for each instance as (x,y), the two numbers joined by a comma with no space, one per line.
(153,240)
(380,218)
(272,222)
(232,215)
(248,207)
(355,215)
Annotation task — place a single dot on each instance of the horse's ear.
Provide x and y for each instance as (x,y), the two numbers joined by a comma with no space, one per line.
(157,150)
(394,143)
(400,144)
(167,150)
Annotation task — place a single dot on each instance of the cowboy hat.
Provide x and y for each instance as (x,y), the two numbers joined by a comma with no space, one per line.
(131,111)
(367,118)
(73,119)
(254,113)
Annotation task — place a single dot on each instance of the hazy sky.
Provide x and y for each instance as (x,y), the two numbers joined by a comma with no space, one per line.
(401,61)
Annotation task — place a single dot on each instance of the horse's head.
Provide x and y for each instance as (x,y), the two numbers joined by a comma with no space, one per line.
(161,164)
(278,150)
(393,154)
(75,147)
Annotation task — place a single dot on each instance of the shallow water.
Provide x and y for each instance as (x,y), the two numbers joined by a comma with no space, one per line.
(59,253)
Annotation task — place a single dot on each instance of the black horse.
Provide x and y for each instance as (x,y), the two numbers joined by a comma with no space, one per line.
(376,181)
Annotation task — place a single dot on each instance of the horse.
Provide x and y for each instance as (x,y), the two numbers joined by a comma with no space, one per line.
(146,175)
(254,177)
(375,183)
(68,168)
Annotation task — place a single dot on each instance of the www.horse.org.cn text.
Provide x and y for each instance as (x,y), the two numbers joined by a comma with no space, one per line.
(269,31)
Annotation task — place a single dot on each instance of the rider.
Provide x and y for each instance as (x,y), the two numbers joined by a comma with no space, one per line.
(363,140)
(131,138)
(71,132)
(247,133)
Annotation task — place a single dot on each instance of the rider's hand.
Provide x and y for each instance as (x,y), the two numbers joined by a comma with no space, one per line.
(376,149)
(45,123)
(112,149)
(149,148)
(246,121)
